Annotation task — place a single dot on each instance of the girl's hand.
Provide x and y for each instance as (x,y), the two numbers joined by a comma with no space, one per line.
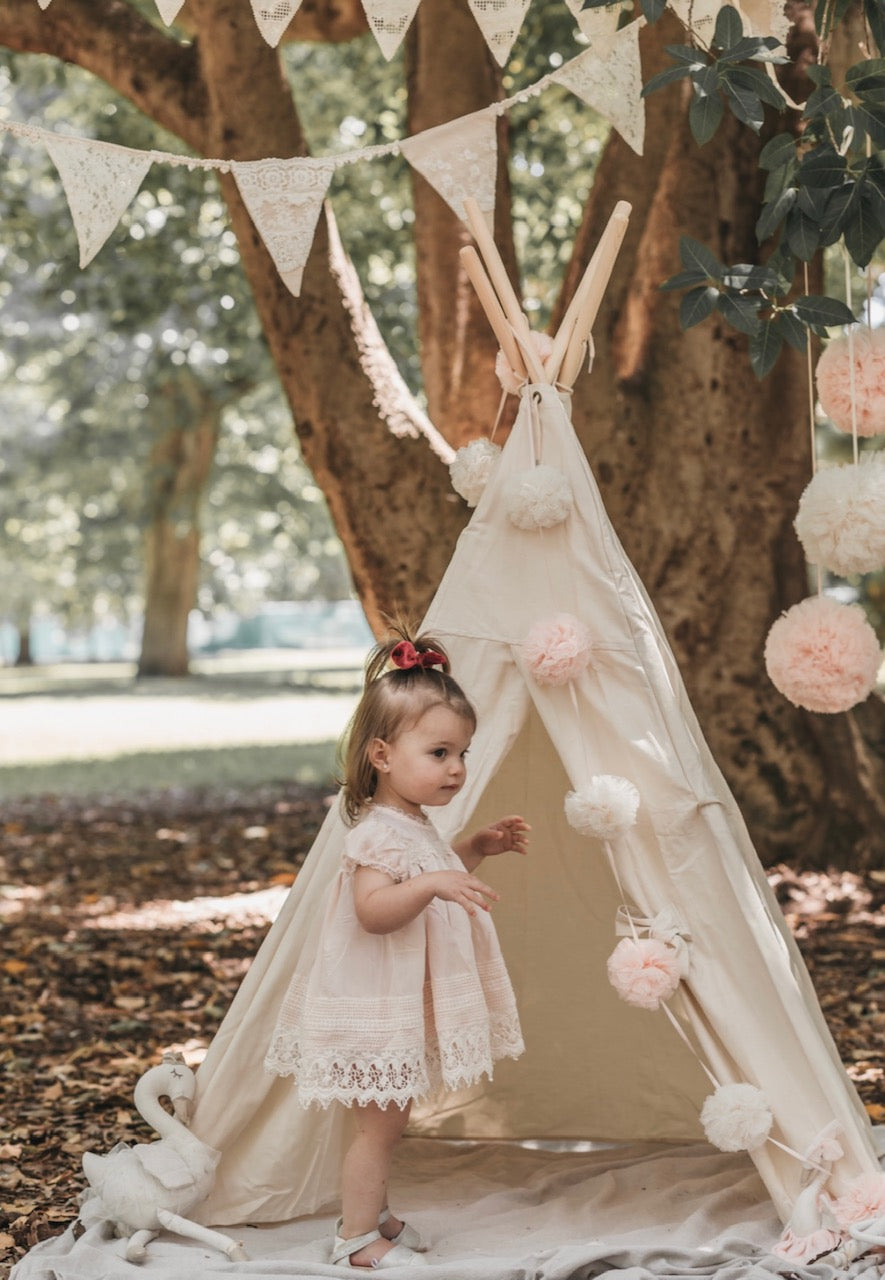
(463,888)
(504,836)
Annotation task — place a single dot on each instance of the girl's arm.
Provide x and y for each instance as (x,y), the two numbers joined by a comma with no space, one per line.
(500,837)
(382,905)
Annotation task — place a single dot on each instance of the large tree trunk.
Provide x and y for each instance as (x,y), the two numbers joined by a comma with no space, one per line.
(701,468)
(25,657)
(181,461)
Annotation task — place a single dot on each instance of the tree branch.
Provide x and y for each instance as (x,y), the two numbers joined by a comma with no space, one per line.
(156,73)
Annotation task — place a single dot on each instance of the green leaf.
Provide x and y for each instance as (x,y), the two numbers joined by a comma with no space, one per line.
(704,116)
(792,328)
(774,213)
(750,275)
(803,234)
(740,312)
(729,27)
(663,78)
(866,227)
(818,309)
(872,119)
(765,347)
(744,105)
(840,202)
(757,48)
(684,280)
(697,257)
(783,264)
(697,305)
(759,82)
(652,9)
(870,89)
(705,80)
(822,168)
(821,102)
(874,12)
(686,53)
(819,74)
(861,70)
(778,151)
(813,201)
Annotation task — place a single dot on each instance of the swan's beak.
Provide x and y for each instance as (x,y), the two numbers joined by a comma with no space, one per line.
(182,1109)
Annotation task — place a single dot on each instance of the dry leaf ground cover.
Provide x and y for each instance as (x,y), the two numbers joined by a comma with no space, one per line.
(128,922)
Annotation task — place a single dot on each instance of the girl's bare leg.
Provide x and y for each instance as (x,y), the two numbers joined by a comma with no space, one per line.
(365,1173)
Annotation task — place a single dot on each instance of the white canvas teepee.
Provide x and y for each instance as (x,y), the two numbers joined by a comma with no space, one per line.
(595,1068)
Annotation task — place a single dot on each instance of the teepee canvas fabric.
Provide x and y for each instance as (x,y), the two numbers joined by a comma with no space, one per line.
(595,1068)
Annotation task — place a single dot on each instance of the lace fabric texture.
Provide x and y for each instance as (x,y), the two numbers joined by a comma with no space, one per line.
(499,21)
(610,81)
(385,1018)
(169,9)
(99,180)
(458,160)
(390,20)
(284,199)
(272,17)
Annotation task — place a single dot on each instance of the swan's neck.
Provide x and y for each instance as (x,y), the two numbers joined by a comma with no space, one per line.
(151,1110)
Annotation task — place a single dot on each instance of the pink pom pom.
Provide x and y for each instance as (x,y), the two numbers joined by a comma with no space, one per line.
(833,375)
(822,655)
(865,1198)
(643,971)
(511,383)
(557,649)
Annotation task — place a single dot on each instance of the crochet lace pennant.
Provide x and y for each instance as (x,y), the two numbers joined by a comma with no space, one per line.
(610,82)
(390,20)
(459,159)
(499,21)
(272,17)
(698,16)
(44,4)
(598,25)
(169,9)
(99,180)
(284,198)
(765,18)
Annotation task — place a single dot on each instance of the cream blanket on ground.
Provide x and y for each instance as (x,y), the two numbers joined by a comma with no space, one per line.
(506,1212)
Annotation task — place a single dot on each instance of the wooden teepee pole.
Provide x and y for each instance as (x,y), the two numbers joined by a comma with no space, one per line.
(497,319)
(566,357)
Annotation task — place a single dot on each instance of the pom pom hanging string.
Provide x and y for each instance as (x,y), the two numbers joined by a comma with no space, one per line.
(813,440)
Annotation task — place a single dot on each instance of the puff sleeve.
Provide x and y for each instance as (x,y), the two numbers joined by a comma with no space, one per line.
(375,845)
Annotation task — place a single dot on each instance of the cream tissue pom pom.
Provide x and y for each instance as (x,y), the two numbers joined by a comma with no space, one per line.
(841,517)
(736,1117)
(822,655)
(543,345)
(863,1199)
(605,808)
(557,649)
(644,971)
(833,375)
(471,467)
(539,498)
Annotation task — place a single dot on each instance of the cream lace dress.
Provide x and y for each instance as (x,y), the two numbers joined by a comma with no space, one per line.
(390,1017)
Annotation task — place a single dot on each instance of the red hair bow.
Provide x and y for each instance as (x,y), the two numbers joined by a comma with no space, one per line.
(405,655)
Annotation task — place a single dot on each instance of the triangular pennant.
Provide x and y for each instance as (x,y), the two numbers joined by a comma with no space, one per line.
(499,21)
(99,180)
(284,198)
(389,20)
(459,159)
(697,16)
(611,83)
(764,18)
(272,17)
(598,25)
(44,4)
(169,9)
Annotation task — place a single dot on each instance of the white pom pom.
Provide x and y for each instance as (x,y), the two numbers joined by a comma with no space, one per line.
(471,467)
(737,1117)
(511,382)
(539,498)
(605,808)
(841,517)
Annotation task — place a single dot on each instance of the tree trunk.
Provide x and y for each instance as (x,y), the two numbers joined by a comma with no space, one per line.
(181,462)
(701,468)
(25,657)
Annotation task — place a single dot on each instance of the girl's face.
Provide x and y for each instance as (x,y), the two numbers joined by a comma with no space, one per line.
(424,764)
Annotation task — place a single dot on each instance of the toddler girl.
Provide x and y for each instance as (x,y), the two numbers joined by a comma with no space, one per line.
(406,990)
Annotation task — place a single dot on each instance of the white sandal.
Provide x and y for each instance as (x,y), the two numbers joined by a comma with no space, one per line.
(407,1236)
(398,1256)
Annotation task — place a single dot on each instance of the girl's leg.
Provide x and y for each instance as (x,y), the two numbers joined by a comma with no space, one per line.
(365,1173)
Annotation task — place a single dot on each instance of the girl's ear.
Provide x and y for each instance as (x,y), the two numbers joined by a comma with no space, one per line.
(377,753)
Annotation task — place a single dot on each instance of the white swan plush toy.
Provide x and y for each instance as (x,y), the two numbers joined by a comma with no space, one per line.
(142,1190)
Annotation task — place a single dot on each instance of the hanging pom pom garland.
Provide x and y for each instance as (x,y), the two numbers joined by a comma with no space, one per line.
(822,655)
(471,468)
(834,380)
(737,1117)
(557,650)
(841,517)
(605,808)
(538,499)
(512,382)
(644,971)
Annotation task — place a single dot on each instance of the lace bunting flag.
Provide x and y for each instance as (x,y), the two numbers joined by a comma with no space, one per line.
(44,4)
(169,9)
(459,159)
(499,21)
(598,25)
(284,198)
(272,17)
(390,20)
(610,82)
(698,16)
(99,180)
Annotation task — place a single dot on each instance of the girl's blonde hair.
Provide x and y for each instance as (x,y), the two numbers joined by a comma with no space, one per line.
(393,700)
